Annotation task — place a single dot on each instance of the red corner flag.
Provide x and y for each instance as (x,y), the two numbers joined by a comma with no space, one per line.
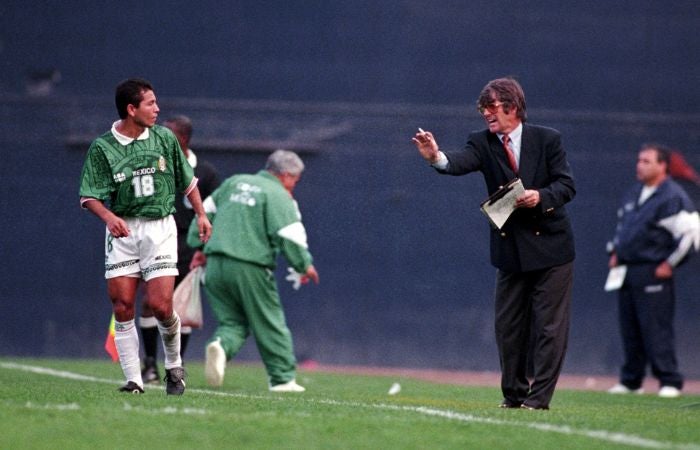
(110,346)
(679,168)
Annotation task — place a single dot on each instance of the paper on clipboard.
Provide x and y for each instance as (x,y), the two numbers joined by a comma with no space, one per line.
(501,204)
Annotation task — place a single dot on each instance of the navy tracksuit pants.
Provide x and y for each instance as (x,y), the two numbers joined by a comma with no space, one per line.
(646,312)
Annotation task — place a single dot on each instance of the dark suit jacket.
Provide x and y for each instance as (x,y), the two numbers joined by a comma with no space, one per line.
(532,238)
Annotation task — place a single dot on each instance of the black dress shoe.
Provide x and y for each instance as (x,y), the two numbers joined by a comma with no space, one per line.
(532,408)
(509,404)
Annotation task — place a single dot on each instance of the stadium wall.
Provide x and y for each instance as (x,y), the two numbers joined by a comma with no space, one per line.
(402,252)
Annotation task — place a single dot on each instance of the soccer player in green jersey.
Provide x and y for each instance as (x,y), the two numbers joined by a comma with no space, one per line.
(137,167)
(255,218)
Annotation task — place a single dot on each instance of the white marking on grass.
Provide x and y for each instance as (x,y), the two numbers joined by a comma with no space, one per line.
(57,406)
(618,438)
(56,373)
(604,435)
(166,410)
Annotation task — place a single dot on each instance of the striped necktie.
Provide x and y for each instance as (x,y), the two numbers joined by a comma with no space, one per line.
(509,153)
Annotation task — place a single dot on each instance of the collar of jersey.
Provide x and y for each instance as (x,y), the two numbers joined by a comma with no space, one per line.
(126,140)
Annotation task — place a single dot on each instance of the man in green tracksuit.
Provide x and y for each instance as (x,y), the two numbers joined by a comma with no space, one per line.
(254,218)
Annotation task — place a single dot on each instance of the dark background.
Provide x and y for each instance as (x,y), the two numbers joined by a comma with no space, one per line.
(402,252)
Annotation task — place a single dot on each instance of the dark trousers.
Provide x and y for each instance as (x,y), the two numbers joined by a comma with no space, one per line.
(537,302)
(646,321)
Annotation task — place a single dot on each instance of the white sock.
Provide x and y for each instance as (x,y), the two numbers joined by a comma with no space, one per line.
(126,339)
(170,335)
(147,322)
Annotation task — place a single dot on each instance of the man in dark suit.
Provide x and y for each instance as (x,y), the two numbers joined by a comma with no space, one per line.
(534,250)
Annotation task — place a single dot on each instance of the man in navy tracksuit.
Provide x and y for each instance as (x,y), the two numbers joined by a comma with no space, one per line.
(657,229)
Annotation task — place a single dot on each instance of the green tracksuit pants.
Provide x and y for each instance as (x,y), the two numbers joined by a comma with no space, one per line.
(244,300)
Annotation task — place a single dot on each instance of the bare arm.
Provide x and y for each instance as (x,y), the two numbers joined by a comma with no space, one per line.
(202,221)
(116,225)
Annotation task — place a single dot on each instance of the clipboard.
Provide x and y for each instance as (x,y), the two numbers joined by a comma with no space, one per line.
(501,204)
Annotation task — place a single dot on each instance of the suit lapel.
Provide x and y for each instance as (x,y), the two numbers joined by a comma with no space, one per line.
(500,155)
(529,155)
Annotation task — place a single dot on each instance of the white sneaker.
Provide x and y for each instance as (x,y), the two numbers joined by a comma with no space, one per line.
(622,389)
(289,386)
(215,363)
(669,392)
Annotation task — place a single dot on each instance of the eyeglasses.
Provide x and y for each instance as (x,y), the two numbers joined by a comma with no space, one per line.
(492,108)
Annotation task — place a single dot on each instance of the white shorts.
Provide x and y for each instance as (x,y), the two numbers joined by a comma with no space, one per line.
(150,250)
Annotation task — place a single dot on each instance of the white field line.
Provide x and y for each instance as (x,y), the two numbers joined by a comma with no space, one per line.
(53,406)
(603,435)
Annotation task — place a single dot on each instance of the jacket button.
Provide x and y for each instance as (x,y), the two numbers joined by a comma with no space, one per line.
(503,235)
(537,233)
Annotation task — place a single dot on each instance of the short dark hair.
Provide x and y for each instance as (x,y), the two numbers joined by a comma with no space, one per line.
(130,92)
(507,91)
(663,152)
(182,123)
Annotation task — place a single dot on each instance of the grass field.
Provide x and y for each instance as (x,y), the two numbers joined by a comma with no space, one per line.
(75,404)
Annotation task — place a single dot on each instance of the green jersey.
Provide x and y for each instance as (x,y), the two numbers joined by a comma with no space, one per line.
(254,219)
(139,178)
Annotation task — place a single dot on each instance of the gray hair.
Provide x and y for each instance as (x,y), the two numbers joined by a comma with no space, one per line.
(284,161)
